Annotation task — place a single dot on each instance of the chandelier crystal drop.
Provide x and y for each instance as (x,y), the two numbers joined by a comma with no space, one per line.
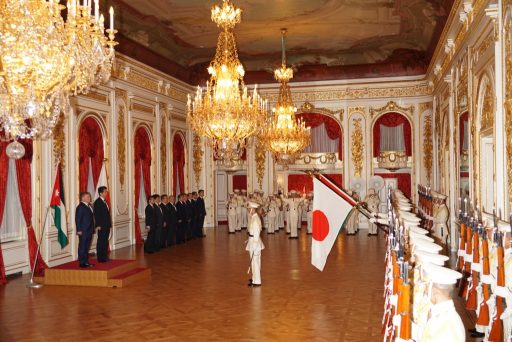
(285,136)
(226,111)
(44,59)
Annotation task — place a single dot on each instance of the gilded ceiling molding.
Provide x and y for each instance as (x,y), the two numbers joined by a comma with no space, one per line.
(260,161)
(198,153)
(308,107)
(121,143)
(392,106)
(59,140)
(508,99)
(163,145)
(357,147)
(427,146)
(142,108)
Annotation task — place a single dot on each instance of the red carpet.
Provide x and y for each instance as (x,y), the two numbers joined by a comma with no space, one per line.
(105,266)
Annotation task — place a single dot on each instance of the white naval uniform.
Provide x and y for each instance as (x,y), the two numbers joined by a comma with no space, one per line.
(309,215)
(240,207)
(232,217)
(286,215)
(373,201)
(300,211)
(254,247)
(293,204)
(272,217)
(507,314)
(244,212)
(444,324)
(280,214)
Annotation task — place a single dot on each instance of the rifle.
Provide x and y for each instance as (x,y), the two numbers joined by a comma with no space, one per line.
(462,237)
(496,334)
(483,316)
(463,290)
(472,295)
(405,308)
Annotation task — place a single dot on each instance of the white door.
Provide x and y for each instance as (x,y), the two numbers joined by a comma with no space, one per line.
(487,172)
(221,195)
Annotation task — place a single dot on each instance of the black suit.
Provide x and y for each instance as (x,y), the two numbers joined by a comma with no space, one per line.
(150,220)
(84,220)
(201,214)
(181,213)
(172,224)
(102,219)
(165,227)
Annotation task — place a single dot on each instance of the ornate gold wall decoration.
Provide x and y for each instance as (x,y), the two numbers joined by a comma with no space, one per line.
(424,106)
(357,148)
(487,120)
(163,148)
(427,146)
(142,108)
(391,106)
(121,144)
(356,109)
(198,157)
(508,103)
(260,161)
(59,140)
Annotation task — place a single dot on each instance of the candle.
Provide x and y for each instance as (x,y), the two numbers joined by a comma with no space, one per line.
(111,11)
(460,204)
(96,10)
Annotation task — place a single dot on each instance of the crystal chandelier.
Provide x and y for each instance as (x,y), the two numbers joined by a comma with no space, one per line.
(225,111)
(285,136)
(43,59)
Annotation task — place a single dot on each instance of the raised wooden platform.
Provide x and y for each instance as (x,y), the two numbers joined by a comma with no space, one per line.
(115,273)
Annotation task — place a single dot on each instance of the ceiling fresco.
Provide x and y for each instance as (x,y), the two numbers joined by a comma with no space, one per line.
(352,38)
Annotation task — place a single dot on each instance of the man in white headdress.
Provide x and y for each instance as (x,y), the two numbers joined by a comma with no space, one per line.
(353,220)
(254,244)
(232,217)
(309,213)
(372,201)
(444,323)
(293,202)
(239,210)
(272,211)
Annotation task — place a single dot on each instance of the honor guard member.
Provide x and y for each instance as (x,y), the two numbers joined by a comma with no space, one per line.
(309,213)
(293,204)
(254,244)
(300,211)
(353,220)
(280,214)
(232,217)
(272,215)
(244,210)
(444,323)
(372,201)
(239,210)
(287,210)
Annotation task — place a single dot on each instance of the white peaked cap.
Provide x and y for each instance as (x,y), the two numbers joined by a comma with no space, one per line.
(293,192)
(419,236)
(426,257)
(410,219)
(426,246)
(243,190)
(406,208)
(254,205)
(441,275)
(237,190)
(418,231)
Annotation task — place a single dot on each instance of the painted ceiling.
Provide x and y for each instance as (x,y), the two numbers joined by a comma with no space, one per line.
(355,38)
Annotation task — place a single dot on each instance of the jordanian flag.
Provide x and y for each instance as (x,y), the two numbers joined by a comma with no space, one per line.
(59,211)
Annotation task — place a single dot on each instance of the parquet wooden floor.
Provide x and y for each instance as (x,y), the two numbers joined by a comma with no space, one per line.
(199,292)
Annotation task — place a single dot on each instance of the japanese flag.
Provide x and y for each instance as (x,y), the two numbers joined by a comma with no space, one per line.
(330,210)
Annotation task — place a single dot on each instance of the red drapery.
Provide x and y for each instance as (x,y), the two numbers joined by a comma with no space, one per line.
(142,147)
(239,182)
(392,120)
(90,144)
(4,167)
(404,181)
(331,126)
(463,118)
(24,176)
(304,183)
(178,174)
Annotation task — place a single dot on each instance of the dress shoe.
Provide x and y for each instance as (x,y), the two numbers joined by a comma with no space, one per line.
(477,334)
(86,265)
(472,330)
(103,261)
(255,285)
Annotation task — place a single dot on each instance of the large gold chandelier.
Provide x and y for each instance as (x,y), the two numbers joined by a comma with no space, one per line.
(285,136)
(225,111)
(43,60)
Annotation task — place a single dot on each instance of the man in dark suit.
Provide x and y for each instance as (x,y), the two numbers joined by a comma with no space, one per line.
(172,224)
(103,223)
(159,220)
(165,228)
(201,209)
(149,245)
(190,216)
(84,220)
(181,209)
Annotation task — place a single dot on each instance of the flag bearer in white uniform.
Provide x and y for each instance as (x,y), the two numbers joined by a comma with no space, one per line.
(232,218)
(254,244)
(309,213)
(444,323)
(272,215)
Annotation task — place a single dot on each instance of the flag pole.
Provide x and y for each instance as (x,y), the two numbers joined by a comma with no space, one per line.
(31,284)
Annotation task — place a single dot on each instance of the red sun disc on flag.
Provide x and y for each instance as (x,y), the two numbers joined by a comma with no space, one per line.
(320,225)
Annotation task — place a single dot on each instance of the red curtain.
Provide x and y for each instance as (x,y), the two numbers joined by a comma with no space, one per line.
(331,126)
(304,183)
(463,118)
(404,181)
(4,167)
(239,182)
(142,148)
(90,145)
(178,174)
(392,120)
(24,176)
